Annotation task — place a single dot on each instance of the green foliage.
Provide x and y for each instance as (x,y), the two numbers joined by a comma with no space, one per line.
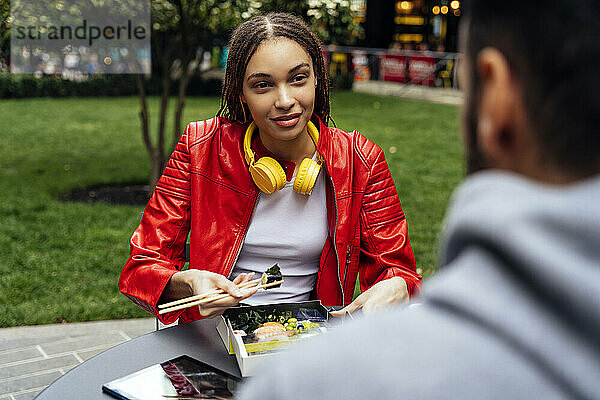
(21,86)
(4,32)
(29,86)
(341,81)
(63,260)
(205,17)
(331,20)
(55,87)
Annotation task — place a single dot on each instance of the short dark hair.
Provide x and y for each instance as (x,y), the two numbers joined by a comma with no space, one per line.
(553,48)
(243,44)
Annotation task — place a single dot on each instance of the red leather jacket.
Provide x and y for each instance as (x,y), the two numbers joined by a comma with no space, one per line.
(206,186)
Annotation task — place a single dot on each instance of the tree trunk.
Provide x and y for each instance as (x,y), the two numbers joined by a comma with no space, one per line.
(185,50)
(145,120)
(183,82)
(156,168)
(157,155)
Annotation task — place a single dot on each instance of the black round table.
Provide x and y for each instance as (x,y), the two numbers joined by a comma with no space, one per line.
(198,339)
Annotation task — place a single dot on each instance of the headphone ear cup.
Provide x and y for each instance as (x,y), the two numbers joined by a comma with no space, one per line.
(306,176)
(268,174)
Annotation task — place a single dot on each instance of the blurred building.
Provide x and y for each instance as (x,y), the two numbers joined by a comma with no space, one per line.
(412,25)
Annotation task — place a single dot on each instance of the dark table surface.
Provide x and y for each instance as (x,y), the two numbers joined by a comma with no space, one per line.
(198,339)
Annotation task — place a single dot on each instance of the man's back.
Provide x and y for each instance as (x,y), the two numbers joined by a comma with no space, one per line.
(512,315)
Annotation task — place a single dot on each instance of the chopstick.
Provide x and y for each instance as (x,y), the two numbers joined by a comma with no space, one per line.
(209,299)
(206,294)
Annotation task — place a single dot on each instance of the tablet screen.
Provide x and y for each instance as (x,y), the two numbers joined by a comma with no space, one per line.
(180,378)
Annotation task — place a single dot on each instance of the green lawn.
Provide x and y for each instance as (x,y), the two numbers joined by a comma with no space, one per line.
(62,260)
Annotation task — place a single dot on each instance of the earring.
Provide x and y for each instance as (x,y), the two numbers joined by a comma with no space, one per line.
(243,110)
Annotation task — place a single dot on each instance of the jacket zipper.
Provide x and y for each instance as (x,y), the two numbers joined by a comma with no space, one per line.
(239,250)
(348,253)
(337,258)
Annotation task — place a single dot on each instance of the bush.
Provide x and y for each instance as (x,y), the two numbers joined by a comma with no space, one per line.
(28,86)
(199,86)
(122,85)
(342,81)
(54,87)
(4,83)
(20,86)
(9,85)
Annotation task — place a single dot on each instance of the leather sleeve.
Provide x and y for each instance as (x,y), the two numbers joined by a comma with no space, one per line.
(385,247)
(158,244)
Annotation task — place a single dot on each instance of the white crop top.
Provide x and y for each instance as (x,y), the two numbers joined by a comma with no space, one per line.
(289,229)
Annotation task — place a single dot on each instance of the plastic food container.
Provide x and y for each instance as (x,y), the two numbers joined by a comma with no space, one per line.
(300,321)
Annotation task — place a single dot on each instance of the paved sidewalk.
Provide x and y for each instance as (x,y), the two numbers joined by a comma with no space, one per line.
(32,357)
(436,95)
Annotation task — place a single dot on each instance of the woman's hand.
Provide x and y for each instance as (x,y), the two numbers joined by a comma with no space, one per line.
(379,296)
(193,282)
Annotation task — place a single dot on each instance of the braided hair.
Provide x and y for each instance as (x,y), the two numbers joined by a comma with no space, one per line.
(243,44)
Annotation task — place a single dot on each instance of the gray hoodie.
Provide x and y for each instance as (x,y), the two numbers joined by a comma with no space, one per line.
(514,312)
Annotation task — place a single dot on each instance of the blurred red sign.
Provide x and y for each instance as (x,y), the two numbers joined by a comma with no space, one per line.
(421,70)
(392,68)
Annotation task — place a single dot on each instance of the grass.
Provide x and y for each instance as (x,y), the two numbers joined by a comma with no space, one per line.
(62,260)
(423,150)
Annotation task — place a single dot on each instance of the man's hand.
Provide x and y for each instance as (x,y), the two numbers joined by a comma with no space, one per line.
(193,282)
(379,296)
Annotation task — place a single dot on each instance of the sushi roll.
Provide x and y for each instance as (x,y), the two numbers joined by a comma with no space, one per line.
(272,274)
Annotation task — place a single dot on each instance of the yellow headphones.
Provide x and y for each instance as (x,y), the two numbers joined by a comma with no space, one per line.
(269,175)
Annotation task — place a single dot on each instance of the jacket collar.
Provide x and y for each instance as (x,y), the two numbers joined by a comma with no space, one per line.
(326,145)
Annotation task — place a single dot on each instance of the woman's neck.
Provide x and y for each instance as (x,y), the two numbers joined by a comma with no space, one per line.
(293,150)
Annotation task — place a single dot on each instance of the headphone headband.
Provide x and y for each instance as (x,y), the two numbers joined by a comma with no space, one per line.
(248,153)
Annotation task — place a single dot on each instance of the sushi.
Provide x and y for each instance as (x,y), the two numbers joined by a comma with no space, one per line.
(270,330)
(273,274)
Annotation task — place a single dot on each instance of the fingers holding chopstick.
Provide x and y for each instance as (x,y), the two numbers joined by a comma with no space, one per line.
(243,278)
(242,281)
(217,300)
(212,293)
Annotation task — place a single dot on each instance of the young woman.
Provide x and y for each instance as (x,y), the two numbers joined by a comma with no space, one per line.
(267,181)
